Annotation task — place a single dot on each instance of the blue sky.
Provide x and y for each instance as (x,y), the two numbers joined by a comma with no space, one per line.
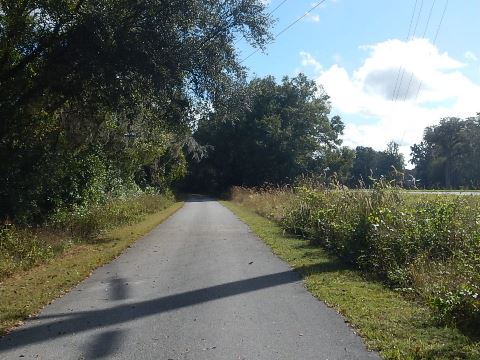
(356,49)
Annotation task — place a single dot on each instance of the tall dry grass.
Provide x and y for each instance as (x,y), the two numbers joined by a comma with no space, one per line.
(425,245)
(23,247)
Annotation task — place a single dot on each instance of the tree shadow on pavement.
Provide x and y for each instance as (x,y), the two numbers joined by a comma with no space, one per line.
(104,344)
(49,327)
(322,267)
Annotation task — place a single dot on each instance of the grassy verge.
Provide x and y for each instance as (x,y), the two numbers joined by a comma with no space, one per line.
(426,245)
(24,246)
(398,328)
(26,292)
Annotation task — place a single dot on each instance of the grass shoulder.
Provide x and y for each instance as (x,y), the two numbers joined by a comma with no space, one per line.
(26,292)
(396,327)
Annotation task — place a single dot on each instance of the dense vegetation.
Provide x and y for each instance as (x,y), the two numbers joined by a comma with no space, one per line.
(101,99)
(271,133)
(97,102)
(98,96)
(389,322)
(424,245)
(449,155)
(23,247)
(106,105)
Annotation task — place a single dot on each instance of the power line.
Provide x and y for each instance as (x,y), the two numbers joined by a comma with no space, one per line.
(413,35)
(278,7)
(424,33)
(435,39)
(411,73)
(286,28)
(221,29)
(269,14)
(397,94)
(418,19)
(428,20)
(411,19)
(441,21)
(400,69)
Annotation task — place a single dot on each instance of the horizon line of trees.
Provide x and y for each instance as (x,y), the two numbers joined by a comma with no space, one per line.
(108,98)
(449,154)
(273,132)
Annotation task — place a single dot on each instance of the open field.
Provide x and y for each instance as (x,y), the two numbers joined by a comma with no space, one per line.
(447,192)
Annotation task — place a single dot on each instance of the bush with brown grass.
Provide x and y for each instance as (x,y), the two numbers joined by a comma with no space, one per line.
(23,247)
(427,245)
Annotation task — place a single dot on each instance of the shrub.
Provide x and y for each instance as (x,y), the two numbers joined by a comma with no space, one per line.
(426,244)
(23,247)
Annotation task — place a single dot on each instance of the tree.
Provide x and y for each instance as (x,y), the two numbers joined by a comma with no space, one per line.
(272,139)
(334,162)
(449,154)
(92,91)
(370,164)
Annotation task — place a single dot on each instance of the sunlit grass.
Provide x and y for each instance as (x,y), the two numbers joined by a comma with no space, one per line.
(23,247)
(397,327)
(26,292)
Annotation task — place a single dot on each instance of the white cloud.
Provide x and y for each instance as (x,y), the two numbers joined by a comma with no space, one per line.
(470,56)
(307,60)
(312,17)
(433,86)
(337,58)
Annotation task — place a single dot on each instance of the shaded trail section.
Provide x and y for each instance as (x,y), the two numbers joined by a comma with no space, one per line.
(200,286)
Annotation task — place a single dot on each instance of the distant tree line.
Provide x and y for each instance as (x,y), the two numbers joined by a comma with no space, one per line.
(271,133)
(449,155)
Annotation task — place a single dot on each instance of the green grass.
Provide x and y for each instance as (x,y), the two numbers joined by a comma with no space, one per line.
(23,247)
(396,327)
(26,292)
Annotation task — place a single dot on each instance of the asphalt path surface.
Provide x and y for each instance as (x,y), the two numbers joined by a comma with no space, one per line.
(446,192)
(199,286)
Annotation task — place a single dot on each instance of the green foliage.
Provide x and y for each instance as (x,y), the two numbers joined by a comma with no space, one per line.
(96,93)
(424,245)
(449,155)
(398,328)
(271,135)
(84,222)
(21,249)
(370,164)
(334,163)
(25,247)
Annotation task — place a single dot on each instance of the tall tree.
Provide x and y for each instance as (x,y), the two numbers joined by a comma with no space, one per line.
(95,90)
(449,154)
(272,138)
(370,164)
